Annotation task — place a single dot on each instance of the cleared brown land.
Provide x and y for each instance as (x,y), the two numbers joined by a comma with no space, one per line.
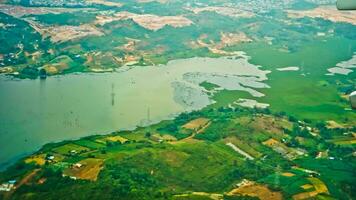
(148,21)
(130,45)
(268,124)
(325,12)
(288,174)
(19,11)
(95,60)
(196,124)
(105,3)
(333,124)
(89,170)
(271,124)
(67,33)
(226,11)
(271,142)
(229,39)
(226,39)
(256,190)
(305,195)
(50,69)
(148,1)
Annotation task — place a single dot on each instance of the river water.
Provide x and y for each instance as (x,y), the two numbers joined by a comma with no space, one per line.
(35,112)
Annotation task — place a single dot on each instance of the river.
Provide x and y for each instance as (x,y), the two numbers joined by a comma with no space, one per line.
(36,112)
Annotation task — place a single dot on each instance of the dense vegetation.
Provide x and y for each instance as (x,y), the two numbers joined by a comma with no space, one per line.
(289,149)
(142,167)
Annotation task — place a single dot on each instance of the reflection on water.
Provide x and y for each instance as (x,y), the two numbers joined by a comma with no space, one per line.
(35,112)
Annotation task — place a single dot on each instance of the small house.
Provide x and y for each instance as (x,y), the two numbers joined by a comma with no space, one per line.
(77,165)
(50,157)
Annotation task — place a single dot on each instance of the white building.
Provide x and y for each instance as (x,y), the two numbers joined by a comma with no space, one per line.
(353,99)
(6,187)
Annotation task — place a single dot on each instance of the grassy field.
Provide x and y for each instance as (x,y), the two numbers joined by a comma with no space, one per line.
(90,144)
(301,93)
(67,148)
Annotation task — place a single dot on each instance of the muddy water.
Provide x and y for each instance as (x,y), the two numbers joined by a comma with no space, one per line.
(35,112)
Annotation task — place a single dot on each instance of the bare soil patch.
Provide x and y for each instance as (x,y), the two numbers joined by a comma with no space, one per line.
(325,12)
(89,169)
(148,21)
(65,33)
(256,190)
(196,124)
(105,3)
(226,11)
(19,11)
